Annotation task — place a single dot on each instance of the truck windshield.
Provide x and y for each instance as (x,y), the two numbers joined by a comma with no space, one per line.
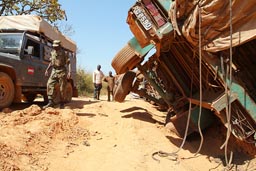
(10,42)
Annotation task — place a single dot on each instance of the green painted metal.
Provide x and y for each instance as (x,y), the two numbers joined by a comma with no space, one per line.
(137,48)
(166,4)
(244,99)
(206,119)
(242,96)
(165,29)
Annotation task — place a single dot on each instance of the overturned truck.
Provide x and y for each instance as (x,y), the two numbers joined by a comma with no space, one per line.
(202,66)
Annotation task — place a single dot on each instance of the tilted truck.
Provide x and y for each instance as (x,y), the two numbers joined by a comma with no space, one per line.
(195,72)
(25,47)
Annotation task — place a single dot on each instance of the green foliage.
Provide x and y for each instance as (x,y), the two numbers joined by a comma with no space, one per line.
(47,9)
(84,83)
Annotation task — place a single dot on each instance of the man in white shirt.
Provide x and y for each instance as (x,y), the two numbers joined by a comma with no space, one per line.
(97,81)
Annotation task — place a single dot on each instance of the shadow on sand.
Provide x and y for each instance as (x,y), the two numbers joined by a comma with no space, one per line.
(90,115)
(212,140)
(75,103)
(135,113)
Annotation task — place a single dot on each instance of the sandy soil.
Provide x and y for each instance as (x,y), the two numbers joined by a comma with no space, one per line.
(99,135)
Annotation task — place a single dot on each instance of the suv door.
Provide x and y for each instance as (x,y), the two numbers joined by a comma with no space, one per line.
(37,66)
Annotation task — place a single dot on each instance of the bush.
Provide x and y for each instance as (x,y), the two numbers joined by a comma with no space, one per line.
(84,84)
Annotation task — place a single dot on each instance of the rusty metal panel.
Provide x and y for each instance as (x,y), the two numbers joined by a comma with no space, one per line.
(137,31)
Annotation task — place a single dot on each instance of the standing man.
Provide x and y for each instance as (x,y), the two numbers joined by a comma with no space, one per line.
(59,74)
(111,82)
(97,81)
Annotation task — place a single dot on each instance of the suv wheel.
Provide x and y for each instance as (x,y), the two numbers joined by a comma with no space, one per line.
(6,90)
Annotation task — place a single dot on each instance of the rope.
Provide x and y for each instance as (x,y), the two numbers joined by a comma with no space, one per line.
(225,144)
(174,154)
(228,108)
(200,81)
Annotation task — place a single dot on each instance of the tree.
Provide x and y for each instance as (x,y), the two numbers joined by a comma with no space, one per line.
(47,9)
(64,28)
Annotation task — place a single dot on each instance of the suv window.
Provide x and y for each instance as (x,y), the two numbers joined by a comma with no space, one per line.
(47,52)
(10,42)
(36,52)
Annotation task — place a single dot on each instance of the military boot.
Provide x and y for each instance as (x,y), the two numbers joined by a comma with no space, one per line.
(50,104)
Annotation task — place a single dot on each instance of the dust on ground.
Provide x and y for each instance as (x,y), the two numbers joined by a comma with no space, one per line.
(100,135)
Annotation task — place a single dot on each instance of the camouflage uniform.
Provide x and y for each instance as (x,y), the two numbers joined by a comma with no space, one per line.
(59,73)
(59,62)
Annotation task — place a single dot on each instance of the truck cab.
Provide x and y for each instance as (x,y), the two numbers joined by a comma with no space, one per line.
(148,21)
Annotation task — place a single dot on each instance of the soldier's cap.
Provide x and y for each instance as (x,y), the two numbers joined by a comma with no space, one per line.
(56,43)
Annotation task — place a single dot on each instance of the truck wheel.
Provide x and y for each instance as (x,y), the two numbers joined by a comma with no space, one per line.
(69,92)
(125,60)
(123,86)
(6,90)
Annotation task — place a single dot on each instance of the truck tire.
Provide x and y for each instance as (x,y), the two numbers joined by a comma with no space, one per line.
(69,92)
(123,86)
(7,90)
(125,60)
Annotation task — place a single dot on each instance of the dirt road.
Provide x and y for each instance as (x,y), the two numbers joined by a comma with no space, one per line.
(93,135)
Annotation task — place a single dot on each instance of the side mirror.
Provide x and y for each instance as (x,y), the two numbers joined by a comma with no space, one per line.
(30,50)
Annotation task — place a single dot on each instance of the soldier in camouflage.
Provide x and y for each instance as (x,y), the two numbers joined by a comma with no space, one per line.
(59,74)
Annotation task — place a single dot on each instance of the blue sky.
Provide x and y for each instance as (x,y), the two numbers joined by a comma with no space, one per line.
(100,30)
